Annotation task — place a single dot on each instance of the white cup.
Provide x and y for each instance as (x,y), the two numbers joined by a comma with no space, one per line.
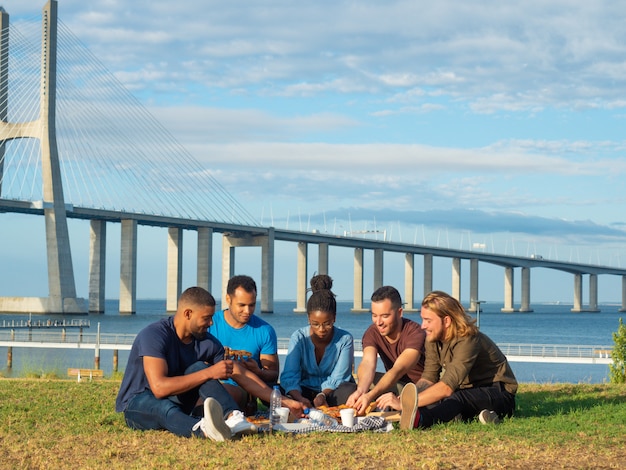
(347,417)
(283,412)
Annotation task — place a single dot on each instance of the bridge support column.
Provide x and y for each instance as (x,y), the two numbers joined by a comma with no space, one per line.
(623,307)
(174,267)
(128,267)
(62,288)
(357,303)
(473,284)
(378,267)
(593,293)
(322,258)
(525,307)
(428,275)
(456,278)
(508,290)
(4,83)
(204,276)
(301,278)
(228,264)
(266,242)
(97,265)
(267,271)
(578,293)
(409,282)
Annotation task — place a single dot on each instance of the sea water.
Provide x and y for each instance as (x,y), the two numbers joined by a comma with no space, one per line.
(547,324)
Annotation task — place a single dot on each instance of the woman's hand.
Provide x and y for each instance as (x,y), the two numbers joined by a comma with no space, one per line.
(320,400)
(296,408)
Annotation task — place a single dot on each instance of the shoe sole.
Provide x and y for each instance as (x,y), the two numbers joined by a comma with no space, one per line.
(408,399)
(216,427)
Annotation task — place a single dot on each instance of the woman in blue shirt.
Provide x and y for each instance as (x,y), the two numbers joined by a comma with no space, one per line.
(319,363)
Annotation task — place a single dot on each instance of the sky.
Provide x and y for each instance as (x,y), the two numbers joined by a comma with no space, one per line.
(448,123)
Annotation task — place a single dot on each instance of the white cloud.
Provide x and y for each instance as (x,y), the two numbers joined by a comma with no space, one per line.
(491,107)
(486,52)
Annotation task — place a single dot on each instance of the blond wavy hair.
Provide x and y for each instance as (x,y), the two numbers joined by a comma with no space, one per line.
(444,305)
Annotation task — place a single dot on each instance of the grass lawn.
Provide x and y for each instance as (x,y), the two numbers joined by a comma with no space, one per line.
(52,423)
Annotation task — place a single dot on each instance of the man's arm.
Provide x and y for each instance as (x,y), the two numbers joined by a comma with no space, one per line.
(406,360)
(252,384)
(270,364)
(163,386)
(422,384)
(391,400)
(268,372)
(365,377)
(433,393)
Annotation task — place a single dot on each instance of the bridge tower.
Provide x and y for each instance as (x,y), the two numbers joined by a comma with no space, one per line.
(62,289)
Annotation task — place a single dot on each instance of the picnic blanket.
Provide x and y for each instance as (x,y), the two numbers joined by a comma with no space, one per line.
(368,423)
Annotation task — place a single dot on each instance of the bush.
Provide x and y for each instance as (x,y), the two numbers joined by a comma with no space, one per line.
(617,370)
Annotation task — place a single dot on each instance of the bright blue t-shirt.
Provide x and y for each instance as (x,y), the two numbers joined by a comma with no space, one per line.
(256,337)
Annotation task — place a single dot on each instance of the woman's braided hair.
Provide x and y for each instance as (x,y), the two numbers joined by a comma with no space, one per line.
(322,298)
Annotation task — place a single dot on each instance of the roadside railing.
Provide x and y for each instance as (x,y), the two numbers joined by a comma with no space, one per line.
(41,337)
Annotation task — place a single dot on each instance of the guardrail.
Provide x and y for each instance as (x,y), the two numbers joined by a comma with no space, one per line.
(555,350)
(42,338)
(30,323)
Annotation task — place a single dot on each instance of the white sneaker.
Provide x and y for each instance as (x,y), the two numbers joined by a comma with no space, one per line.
(488,417)
(212,424)
(239,425)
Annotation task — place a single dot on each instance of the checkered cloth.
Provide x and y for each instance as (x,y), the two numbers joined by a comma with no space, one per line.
(369,423)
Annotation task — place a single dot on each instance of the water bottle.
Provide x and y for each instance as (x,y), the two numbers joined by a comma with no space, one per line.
(319,417)
(275,403)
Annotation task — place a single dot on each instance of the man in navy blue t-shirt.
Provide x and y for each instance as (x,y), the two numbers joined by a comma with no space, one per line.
(172,380)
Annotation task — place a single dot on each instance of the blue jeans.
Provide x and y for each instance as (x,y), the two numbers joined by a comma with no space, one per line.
(468,403)
(175,414)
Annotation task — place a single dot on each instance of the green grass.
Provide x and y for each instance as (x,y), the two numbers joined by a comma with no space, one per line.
(52,423)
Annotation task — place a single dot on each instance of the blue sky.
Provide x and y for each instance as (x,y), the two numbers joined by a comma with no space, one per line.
(445,123)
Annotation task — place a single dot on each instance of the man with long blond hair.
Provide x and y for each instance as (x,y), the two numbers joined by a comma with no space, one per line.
(465,374)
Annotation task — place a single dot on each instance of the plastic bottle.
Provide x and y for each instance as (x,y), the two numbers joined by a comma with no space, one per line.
(275,403)
(319,417)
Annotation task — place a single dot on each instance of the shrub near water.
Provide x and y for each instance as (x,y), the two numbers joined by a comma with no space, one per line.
(617,370)
(65,424)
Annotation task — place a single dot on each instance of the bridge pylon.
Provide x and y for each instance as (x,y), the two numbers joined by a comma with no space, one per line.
(62,288)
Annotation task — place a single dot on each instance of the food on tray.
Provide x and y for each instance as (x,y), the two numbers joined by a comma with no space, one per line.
(258,419)
(371,407)
(333,411)
(236,354)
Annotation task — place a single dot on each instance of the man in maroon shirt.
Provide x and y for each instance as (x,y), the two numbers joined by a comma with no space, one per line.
(400,344)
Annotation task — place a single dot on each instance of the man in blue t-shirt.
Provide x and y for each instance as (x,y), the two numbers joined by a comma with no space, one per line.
(248,338)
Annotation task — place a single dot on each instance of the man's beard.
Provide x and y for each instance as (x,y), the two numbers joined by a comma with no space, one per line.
(199,335)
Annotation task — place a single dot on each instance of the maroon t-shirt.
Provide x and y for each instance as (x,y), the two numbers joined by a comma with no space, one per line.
(411,336)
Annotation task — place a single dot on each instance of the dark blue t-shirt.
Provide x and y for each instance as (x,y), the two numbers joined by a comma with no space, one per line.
(160,340)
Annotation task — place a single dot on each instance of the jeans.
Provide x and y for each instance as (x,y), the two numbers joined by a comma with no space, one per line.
(468,403)
(175,413)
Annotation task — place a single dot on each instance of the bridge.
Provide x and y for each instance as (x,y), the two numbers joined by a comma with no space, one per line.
(59,108)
